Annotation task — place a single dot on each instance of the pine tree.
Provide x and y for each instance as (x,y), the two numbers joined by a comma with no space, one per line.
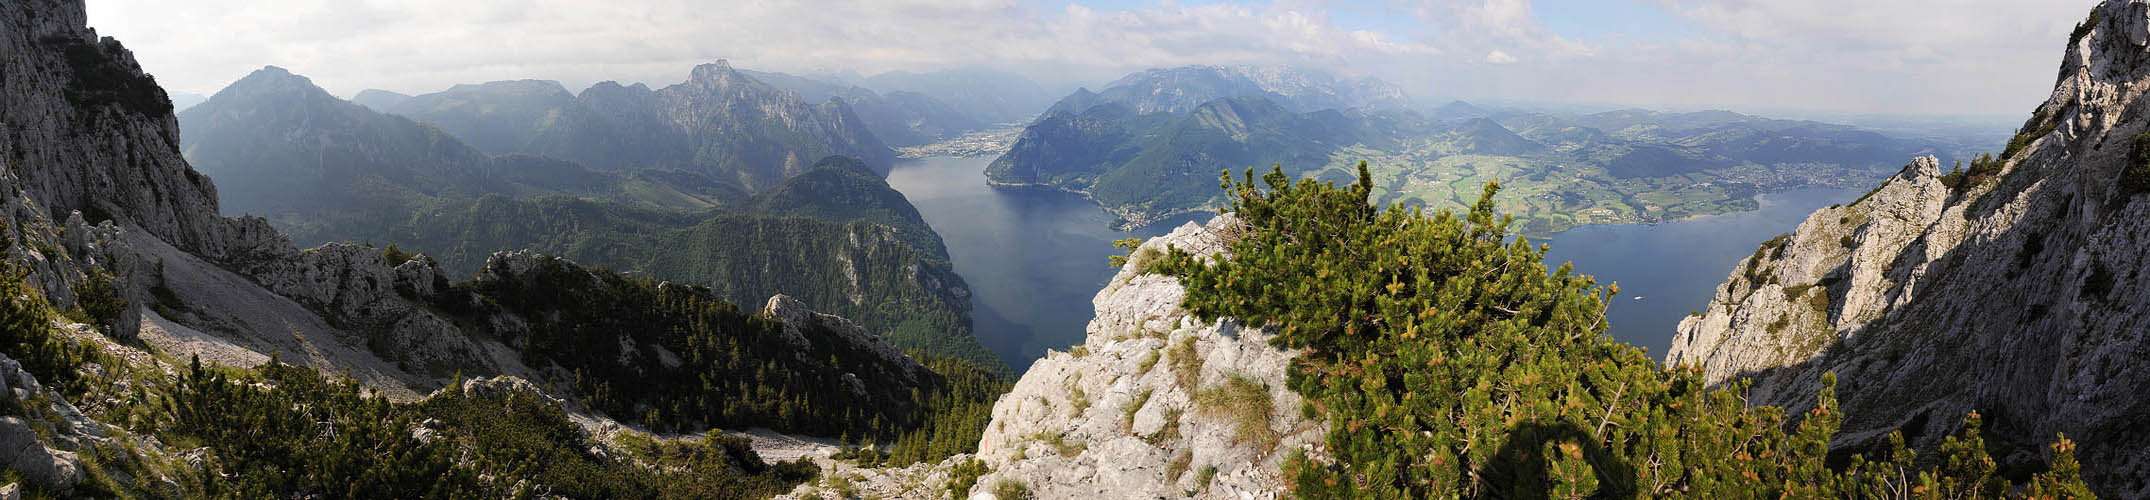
(1450,362)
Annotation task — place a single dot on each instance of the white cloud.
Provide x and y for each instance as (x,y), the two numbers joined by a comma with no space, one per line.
(423,45)
(1961,56)
(1889,56)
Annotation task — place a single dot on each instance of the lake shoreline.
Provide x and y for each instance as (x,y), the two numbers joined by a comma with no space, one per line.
(1035,254)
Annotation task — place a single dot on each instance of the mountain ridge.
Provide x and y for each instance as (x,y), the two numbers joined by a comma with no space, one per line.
(835,235)
(720,122)
(120,267)
(2012,287)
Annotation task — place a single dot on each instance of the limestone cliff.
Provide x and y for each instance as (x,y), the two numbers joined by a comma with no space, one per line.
(2017,290)
(1153,404)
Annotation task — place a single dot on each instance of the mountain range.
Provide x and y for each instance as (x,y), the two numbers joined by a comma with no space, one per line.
(833,234)
(721,123)
(162,350)
(1150,144)
(1945,335)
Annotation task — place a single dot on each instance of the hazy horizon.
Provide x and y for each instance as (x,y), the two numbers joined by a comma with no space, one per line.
(1836,56)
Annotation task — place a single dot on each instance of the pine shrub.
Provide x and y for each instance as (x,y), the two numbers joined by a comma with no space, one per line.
(1450,362)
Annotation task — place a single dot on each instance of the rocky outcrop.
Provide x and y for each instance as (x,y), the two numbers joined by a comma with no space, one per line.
(2018,293)
(22,448)
(383,306)
(1136,411)
(799,322)
(87,130)
(89,133)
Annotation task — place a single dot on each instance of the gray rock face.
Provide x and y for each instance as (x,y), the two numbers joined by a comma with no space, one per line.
(42,460)
(798,321)
(379,306)
(68,96)
(88,132)
(2022,298)
(1123,416)
(20,451)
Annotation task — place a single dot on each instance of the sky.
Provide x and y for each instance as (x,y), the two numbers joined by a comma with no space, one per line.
(1913,57)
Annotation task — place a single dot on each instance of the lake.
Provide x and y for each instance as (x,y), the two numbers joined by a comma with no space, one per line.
(1034,257)
(1667,270)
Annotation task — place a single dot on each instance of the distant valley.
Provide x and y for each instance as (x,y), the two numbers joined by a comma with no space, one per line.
(676,278)
(1152,144)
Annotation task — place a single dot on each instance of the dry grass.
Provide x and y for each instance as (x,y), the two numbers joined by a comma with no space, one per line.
(1186,363)
(1060,444)
(1178,466)
(1245,404)
(1170,431)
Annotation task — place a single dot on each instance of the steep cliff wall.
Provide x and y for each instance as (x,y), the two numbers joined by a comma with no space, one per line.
(2017,289)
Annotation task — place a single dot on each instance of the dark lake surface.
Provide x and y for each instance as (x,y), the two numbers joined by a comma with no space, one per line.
(1033,257)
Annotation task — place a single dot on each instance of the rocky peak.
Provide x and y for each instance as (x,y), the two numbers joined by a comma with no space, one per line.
(717,75)
(273,82)
(799,321)
(2016,289)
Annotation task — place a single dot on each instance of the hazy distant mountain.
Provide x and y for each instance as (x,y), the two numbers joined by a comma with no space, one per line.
(835,236)
(1143,166)
(1457,110)
(898,118)
(1483,136)
(1181,89)
(720,122)
(183,100)
(379,100)
(1150,144)
(495,117)
(985,95)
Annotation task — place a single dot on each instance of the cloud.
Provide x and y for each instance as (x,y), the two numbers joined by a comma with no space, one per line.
(1953,56)
(1885,56)
(421,45)
(1505,26)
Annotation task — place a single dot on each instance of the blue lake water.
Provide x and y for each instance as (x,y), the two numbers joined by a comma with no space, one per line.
(1034,257)
(1667,270)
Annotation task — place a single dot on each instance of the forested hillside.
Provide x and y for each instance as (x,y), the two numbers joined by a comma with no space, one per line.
(150,348)
(834,235)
